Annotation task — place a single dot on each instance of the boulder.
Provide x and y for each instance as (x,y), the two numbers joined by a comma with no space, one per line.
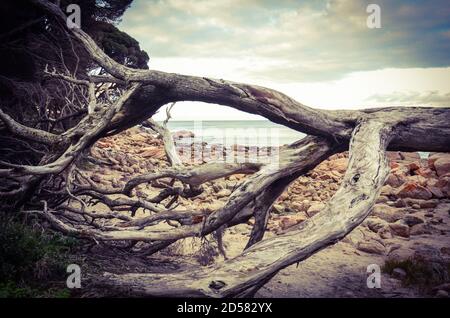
(428,253)
(371,247)
(387,190)
(420,229)
(423,204)
(152,152)
(297,206)
(433,157)
(437,192)
(412,220)
(395,180)
(443,208)
(214,206)
(291,220)
(400,254)
(277,209)
(223,193)
(414,166)
(218,185)
(375,223)
(339,165)
(382,199)
(415,191)
(425,172)
(183,134)
(315,208)
(393,155)
(442,166)
(410,156)
(400,228)
(385,232)
(387,213)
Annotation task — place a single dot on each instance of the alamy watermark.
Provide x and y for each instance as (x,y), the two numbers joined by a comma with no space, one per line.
(74,279)
(74,18)
(374,19)
(374,277)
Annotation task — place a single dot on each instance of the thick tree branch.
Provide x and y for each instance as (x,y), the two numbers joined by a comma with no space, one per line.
(367,171)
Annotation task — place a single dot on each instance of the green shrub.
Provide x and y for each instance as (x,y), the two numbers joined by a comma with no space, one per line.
(419,272)
(30,259)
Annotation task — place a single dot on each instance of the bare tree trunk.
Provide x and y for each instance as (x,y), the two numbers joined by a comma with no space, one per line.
(368,133)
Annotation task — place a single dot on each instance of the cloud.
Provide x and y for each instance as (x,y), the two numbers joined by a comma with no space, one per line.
(429,98)
(305,41)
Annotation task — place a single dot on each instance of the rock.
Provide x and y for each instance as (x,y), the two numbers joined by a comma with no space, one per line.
(371,247)
(153,152)
(393,155)
(401,254)
(283,196)
(217,186)
(420,229)
(103,144)
(441,294)
(385,232)
(437,192)
(339,165)
(277,209)
(425,172)
(223,193)
(398,273)
(414,166)
(412,220)
(306,204)
(214,206)
(436,220)
(428,253)
(296,206)
(183,134)
(291,220)
(419,180)
(395,180)
(400,203)
(359,234)
(387,213)
(433,157)
(399,228)
(382,199)
(375,223)
(442,166)
(410,156)
(315,208)
(414,190)
(387,190)
(423,204)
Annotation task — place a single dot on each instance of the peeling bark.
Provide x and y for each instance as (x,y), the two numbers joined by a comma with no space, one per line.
(367,132)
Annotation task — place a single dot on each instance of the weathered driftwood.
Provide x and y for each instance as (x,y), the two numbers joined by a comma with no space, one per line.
(368,133)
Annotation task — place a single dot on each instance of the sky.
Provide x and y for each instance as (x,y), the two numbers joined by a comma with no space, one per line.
(320,52)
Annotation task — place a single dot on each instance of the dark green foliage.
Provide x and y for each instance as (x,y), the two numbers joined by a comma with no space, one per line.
(120,46)
(30,260)
(421,273)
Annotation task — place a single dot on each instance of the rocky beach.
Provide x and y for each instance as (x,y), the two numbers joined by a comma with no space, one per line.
(410,223)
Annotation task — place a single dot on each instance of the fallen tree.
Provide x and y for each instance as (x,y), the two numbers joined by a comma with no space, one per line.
(123,97)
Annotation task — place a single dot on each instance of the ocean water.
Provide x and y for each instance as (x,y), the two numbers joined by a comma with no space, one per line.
(242,132)
(261,133)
